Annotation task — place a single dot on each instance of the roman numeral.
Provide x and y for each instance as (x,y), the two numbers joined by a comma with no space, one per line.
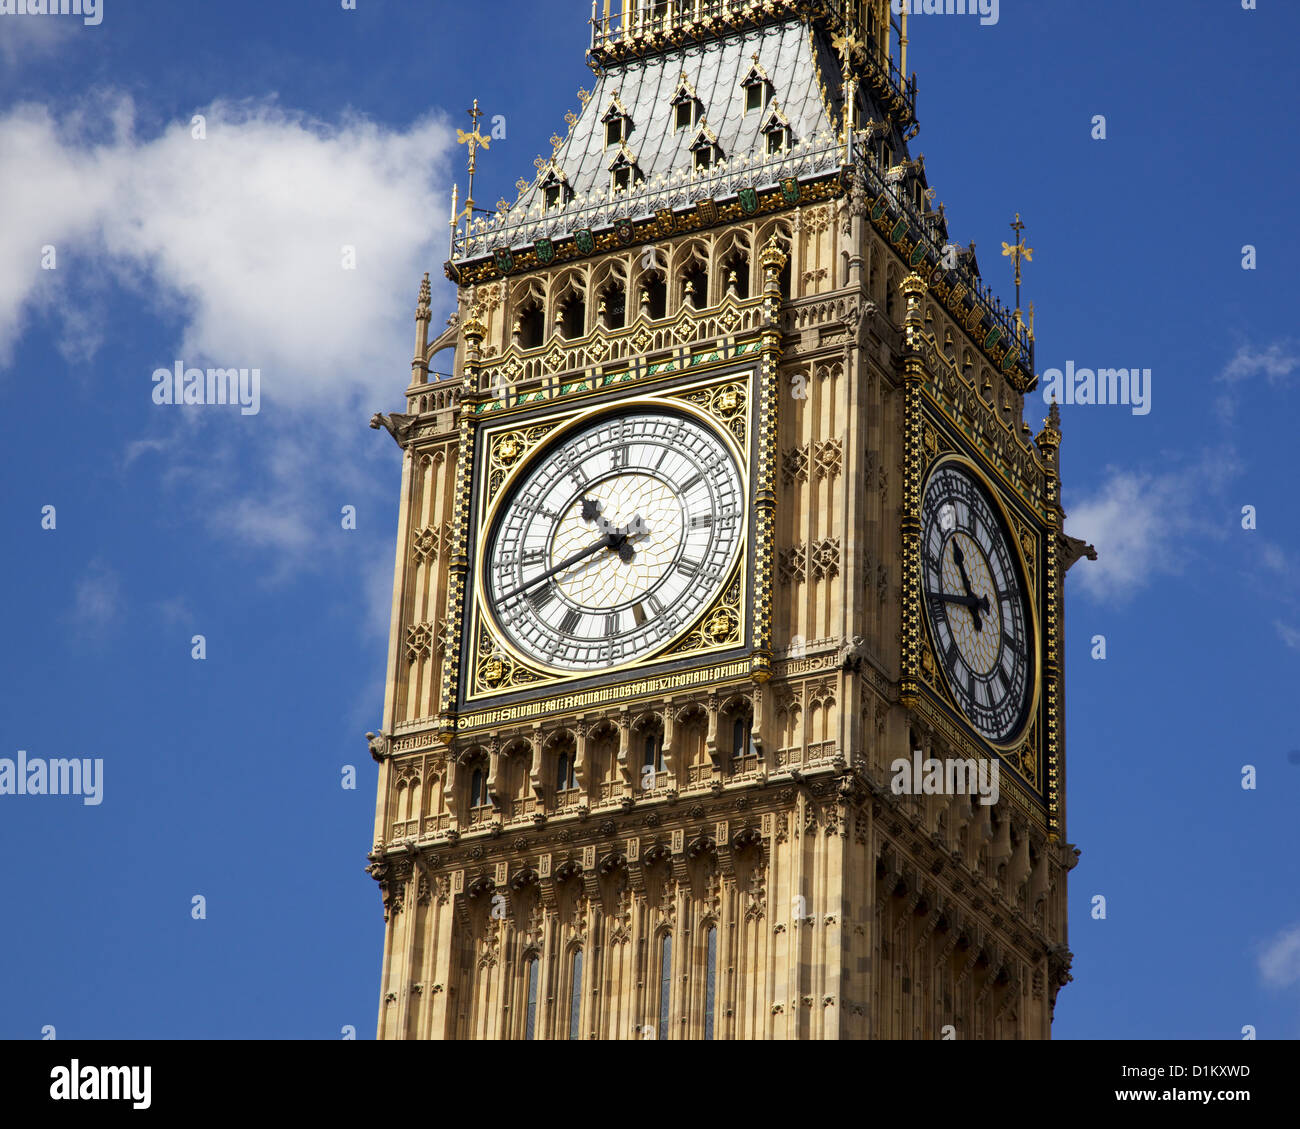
(702,521)
(638,614)
(687,487)
(688,566)
(540,597)
(569,622)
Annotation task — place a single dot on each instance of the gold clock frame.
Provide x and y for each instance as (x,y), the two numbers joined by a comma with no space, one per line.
(1033,590)
(731,597)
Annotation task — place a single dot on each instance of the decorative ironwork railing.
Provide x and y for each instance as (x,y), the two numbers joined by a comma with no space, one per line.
(928,228)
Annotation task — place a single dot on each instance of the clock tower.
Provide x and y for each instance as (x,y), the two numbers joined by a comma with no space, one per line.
(725,688)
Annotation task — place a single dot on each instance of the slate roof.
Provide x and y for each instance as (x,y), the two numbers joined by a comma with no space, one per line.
(796,61)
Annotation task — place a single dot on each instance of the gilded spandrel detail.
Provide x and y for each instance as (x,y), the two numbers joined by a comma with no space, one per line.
(495,671)
(508,450)
(721,626)
(728,404)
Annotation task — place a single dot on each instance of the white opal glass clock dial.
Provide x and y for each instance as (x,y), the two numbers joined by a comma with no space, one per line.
(614,540)
(975,604)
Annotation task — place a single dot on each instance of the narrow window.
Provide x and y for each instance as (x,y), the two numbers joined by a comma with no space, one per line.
(530,1019)
(711,981)
(575,995)
(622,179)
(703,158)
(554,195)
(478,797)
(665,982)
(685,114)
(654,753)
(614,131)
(573,317)
(754,97)
(613,302)
(655,292)
(566,777)
(740,730)
(531,326)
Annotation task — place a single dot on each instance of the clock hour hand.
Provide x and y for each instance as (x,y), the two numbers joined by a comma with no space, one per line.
(979,605)
(609,541)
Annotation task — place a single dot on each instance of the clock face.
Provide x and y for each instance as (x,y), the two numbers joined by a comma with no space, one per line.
(614,540)
(975,604)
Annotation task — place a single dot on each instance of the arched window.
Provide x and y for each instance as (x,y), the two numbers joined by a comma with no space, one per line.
(654,296)
(737,265)
(478,793)
(665,981)
(613,306)
(531,326)
(695,286)
(711,978)
(575,995)
(530,1016)
(573,316)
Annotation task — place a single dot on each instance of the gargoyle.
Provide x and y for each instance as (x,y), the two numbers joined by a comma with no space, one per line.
(397,425)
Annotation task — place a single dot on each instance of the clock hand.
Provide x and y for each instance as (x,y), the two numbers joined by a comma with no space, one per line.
(591,509)
(982,604)
(635,528)
(614,541)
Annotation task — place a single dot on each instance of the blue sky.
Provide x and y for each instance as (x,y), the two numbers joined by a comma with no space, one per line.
(329,128)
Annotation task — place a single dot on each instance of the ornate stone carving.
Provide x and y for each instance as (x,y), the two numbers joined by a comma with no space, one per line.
(794,465)
(824,558)
(791,567)
(419,642)
(828,458)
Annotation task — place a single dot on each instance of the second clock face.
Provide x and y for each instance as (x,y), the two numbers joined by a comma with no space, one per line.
(975,603)
(615,540)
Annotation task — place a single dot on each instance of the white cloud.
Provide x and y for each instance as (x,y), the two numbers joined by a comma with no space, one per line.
(1276,363)
(241,233)
(24,40)
(1143,524)
(1289,635)
(1279,961)
(238,239)
(97,597)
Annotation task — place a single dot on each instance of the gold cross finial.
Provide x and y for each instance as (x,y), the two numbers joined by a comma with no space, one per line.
(1017,252)
(476,141)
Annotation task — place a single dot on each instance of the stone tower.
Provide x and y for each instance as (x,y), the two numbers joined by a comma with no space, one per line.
(725,688)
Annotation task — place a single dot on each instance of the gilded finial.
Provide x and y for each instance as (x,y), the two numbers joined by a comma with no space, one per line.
(1018,252)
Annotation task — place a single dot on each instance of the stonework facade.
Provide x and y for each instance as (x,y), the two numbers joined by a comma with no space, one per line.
(707,844)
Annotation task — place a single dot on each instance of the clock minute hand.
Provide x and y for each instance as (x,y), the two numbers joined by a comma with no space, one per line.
(964,601)
(609,541)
